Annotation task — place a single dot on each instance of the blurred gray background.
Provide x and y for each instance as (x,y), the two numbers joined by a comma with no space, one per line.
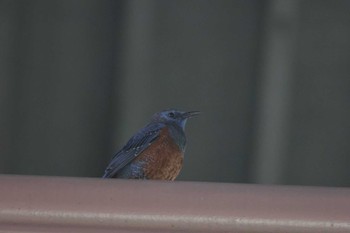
(78,78)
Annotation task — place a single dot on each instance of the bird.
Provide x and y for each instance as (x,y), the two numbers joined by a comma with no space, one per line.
(156,151)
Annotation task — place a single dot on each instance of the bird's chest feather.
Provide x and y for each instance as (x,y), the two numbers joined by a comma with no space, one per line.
(162,159)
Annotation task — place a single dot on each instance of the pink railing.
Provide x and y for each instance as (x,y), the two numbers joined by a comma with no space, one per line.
(61,204)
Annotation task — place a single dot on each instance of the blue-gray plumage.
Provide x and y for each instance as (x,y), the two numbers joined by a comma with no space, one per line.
(154,152)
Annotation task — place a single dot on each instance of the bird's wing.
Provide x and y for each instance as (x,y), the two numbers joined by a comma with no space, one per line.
(138,143)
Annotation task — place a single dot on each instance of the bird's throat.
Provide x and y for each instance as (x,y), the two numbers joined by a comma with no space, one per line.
(178,136)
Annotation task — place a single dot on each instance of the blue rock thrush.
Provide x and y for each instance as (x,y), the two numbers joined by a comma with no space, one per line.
(154,152)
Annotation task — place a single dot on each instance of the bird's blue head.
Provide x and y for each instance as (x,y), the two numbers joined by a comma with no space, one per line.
(172,116)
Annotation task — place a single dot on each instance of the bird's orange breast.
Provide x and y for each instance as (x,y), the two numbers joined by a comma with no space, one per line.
(163,158)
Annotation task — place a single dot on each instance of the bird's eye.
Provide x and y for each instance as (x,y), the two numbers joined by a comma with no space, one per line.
(171,114)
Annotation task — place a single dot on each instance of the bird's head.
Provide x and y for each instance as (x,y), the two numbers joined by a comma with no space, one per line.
(172,116)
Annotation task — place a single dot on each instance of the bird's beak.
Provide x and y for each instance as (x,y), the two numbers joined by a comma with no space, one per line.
(190,114)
